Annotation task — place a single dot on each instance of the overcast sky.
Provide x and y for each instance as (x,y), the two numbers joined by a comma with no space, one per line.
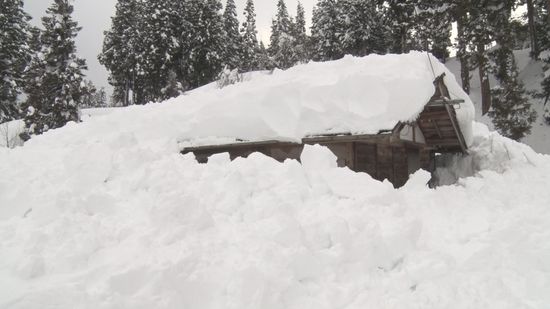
(94,16)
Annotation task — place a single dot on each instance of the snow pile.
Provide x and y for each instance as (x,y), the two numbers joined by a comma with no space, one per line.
(108,214)
(120,224)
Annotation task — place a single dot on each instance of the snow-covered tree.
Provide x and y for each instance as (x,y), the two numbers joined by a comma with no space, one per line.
(14,52)
(511,110)
(234,45)
(203,42)
(59,76)
(264,60)
(250,47)
(325,31)
(300,36)
(122,52)
(433,25)
(400,18)
(281,48)
(160,47)
(362,28)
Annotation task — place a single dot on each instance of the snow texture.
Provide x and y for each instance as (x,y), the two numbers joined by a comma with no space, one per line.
(352,95)
(108,214)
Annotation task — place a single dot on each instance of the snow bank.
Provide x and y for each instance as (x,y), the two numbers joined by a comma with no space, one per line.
(108,214)
(110,220)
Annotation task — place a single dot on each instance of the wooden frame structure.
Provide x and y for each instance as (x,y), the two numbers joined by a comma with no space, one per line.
(392,154)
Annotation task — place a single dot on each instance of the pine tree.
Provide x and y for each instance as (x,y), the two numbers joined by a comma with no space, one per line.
(479,32)
(542,22)
(58,76)
(250,47)
(511,112)
(281,48)
(264,60)
(234,46)
(433,25)
(121,53)
(300,36)
(203,42)
(14,54)
(325,31)
(362,28)
(400,15)
(160,47)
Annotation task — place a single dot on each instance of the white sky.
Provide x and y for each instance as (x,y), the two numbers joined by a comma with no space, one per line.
(94,16)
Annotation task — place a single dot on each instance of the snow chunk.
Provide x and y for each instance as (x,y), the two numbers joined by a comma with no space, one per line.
(316,158)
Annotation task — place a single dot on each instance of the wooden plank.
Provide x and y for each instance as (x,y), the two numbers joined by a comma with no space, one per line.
(400,166)
(462,141)
(376,138)
(437,129)
(365,158)
(384,160)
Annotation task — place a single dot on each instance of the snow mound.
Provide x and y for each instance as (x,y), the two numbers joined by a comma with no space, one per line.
(108,221)
(109,214)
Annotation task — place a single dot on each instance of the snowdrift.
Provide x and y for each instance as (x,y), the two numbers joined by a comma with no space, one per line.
(108,214)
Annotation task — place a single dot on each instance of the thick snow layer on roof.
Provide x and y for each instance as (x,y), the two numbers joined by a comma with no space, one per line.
(352,95)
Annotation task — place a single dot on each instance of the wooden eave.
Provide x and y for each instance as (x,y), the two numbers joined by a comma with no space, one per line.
(438,121)
(318,139)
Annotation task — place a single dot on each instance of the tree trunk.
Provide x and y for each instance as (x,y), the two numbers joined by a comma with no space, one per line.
(532,29)
(462,53)
(484,80)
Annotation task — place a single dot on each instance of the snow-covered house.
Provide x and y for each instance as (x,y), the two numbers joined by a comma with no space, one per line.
(384,115)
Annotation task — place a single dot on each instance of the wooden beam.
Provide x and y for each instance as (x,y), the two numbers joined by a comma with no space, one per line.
(454,121)
(437,129)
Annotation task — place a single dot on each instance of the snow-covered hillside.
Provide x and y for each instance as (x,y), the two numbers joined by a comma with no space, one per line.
(531,75)
(109,214)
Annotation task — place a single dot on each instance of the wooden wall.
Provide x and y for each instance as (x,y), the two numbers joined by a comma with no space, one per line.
(380,160)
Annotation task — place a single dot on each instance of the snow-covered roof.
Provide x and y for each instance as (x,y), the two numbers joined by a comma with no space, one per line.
(352,95)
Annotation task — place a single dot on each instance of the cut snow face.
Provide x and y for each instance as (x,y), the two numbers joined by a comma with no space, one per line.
(108,214)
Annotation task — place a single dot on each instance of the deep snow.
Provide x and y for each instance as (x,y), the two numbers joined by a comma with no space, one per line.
(108,214)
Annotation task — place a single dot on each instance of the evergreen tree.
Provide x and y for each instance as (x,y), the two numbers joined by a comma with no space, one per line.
(362,28)
(479,32)
(511,112)
(14,52)
(121,53)
(300,36)
(542,22)
(60,85)
(281,48)
(325,31)
(160,47)
(250,48)
(203,42)
(264,60)
(433,25)
(233,38)
(400,15)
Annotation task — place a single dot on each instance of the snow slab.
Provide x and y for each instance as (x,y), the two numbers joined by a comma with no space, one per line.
(352,95)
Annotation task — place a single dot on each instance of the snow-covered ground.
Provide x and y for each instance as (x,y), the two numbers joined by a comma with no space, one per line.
(9,133)
(108,214)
